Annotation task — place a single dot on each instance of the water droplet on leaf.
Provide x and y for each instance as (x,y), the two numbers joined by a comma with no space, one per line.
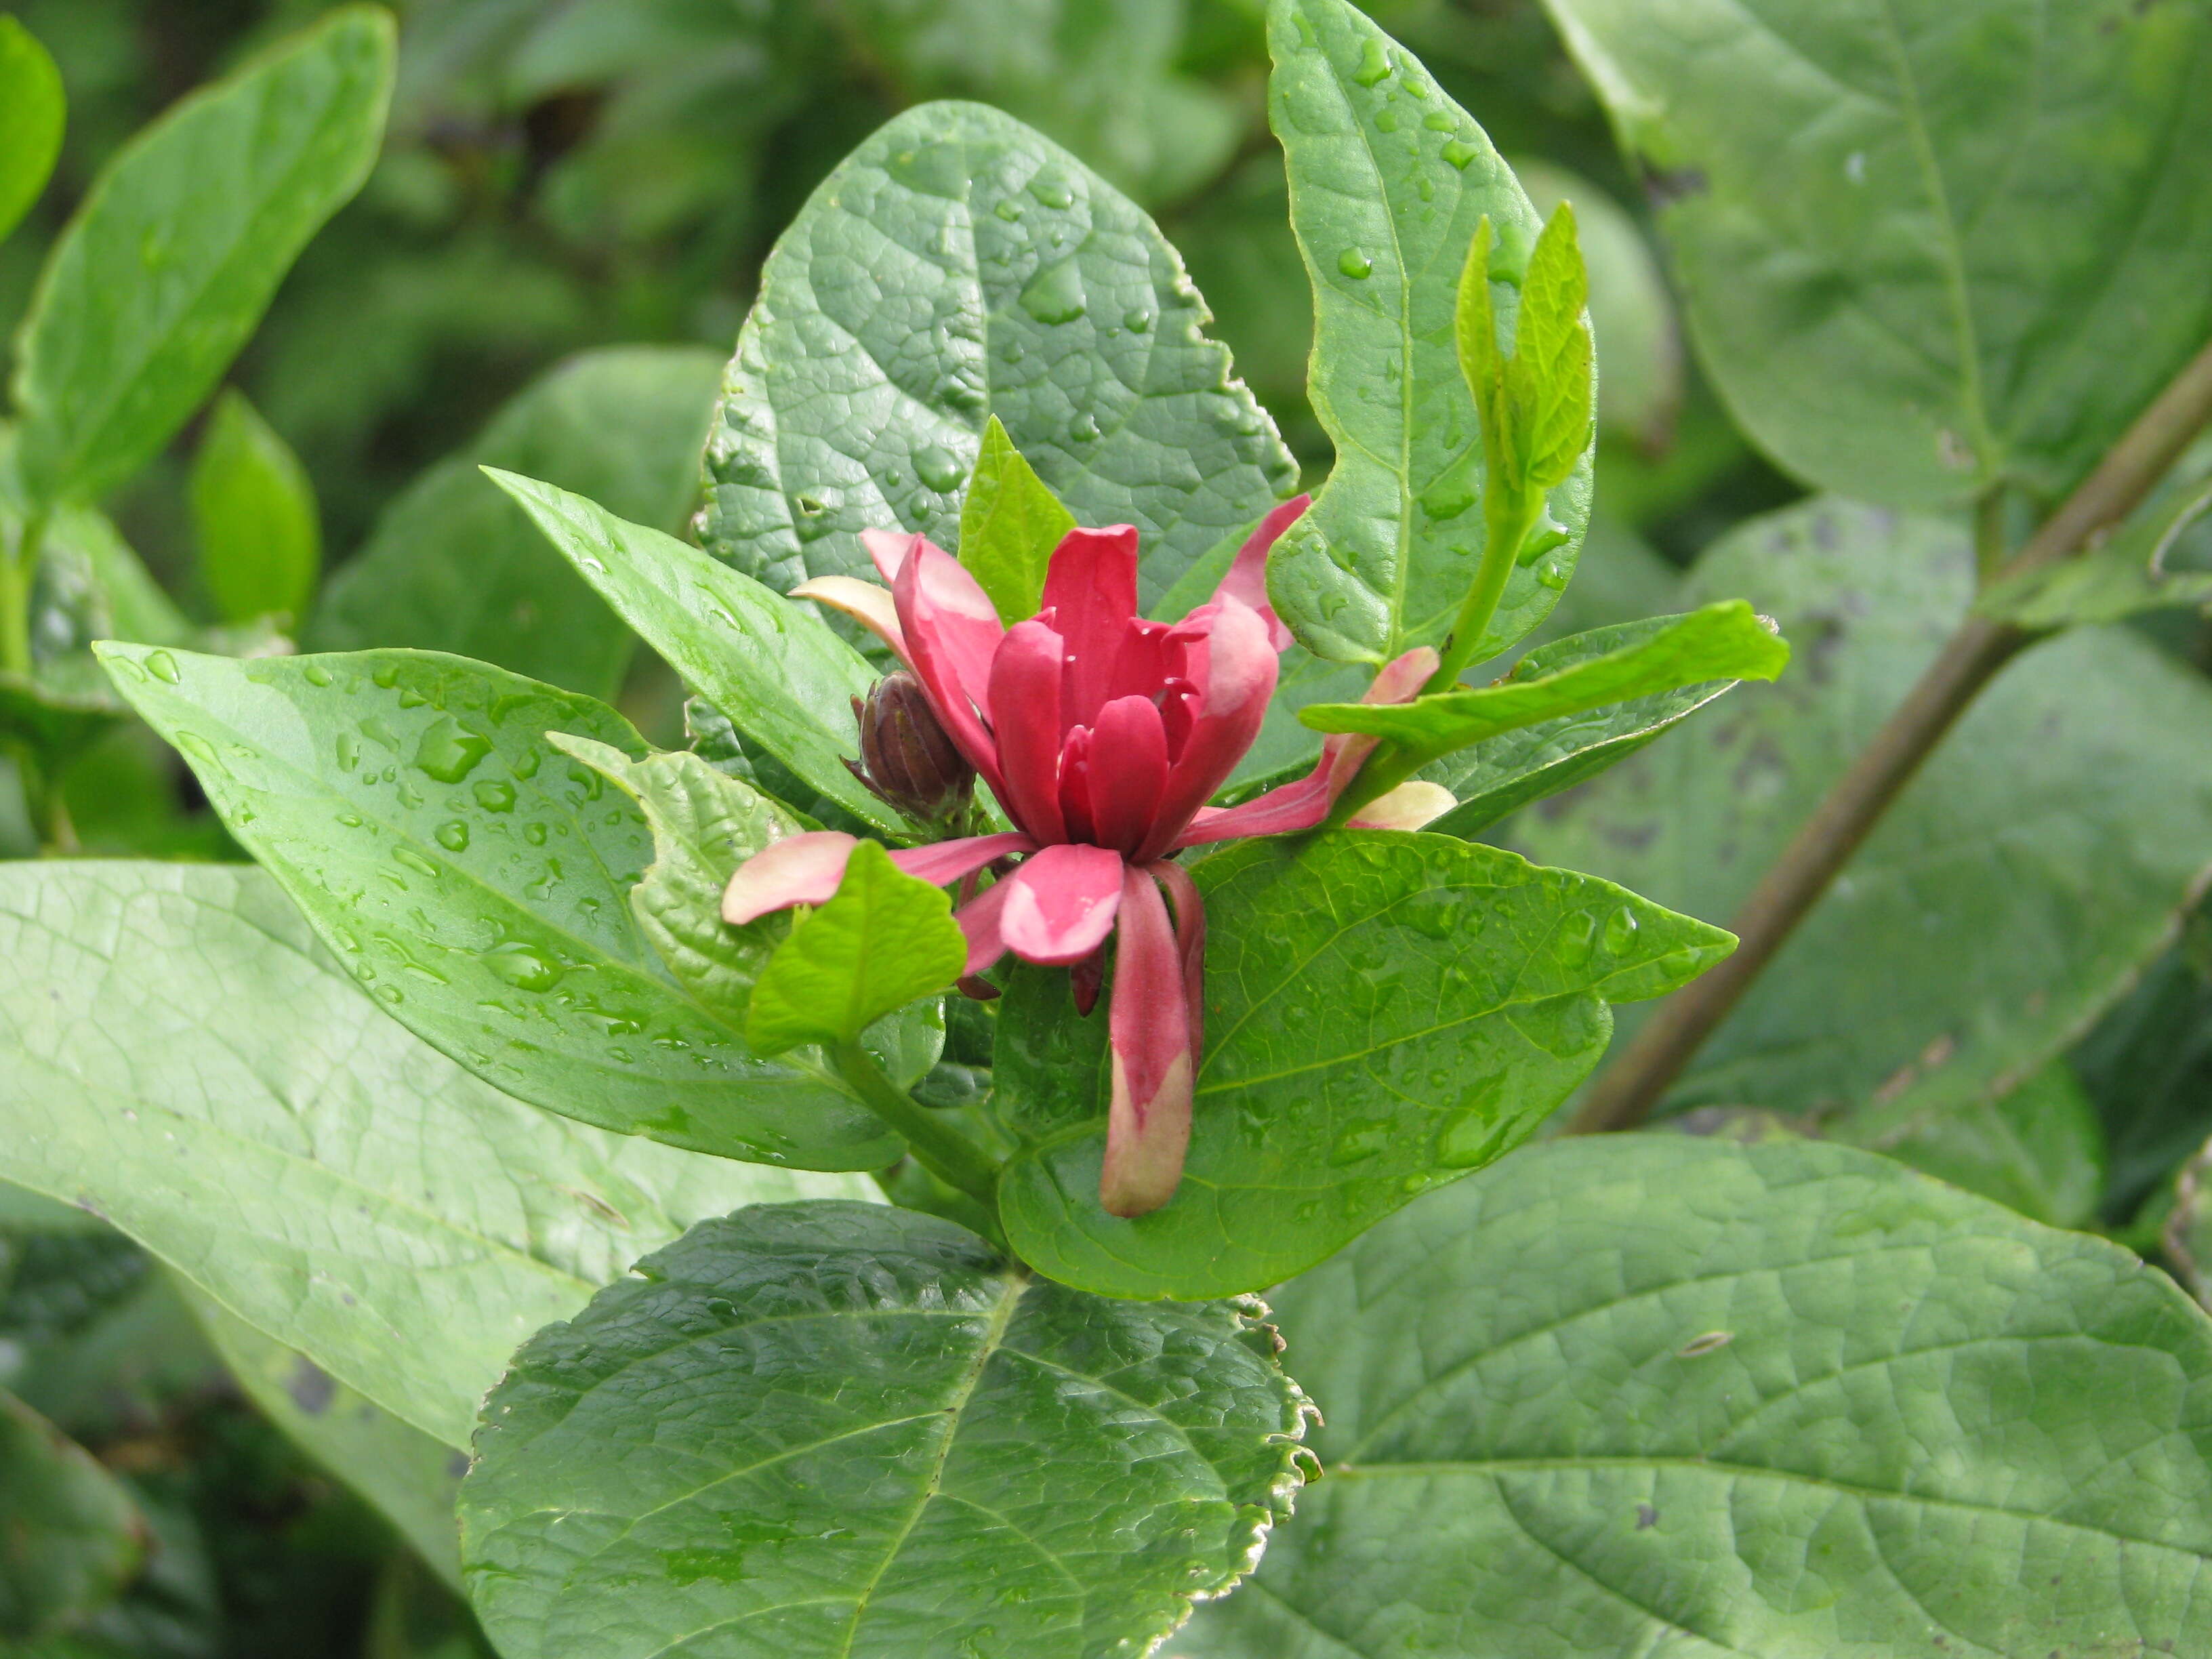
(163,667)
(453,835)
(523,966)
(1374,62)
(448,752)
(1355,264)
(1056,293)
(938,467)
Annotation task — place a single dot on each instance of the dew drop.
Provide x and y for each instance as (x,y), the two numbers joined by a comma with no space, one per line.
(1009,210)
(1385,119)
(1470,1141)
(1459,153)
(1137,320)
(494,794)
(350,820)
(1577,938)
(389,993)
(1374,63)
(199,748)
(348,750)
(163,667)
(1620,931)
(453,835)
(315,673)
(1553,574)
(1052,189)
(534,833)
(386,675)
(1355,264)
(1056,293)
(1439,120)
(414,860)
(523,966)
(448,752)
(1084,429)
(938,467)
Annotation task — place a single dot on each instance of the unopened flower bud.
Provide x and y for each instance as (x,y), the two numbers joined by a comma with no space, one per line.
(906,758)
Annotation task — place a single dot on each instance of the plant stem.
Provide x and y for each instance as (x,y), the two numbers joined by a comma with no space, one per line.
(949,1156)
(1628,1089)
(18,571)
(1507,527)
(1988,535)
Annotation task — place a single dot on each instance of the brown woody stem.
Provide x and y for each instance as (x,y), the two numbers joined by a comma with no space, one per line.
(1627,1090)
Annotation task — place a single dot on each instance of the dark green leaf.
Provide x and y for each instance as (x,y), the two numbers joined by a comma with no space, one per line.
(1724,641)
(31,114)
(2038,1148)
(70,1536)
(478,882)
(831,1429)
(770,664)
(1925,246)
(1009,525)
(884,941)
(2036,864)
(167,266)
(955,266)
(1652,1393)
(1388,178)
(179,1054)
(452,565)
(1383,1012)
(254,516)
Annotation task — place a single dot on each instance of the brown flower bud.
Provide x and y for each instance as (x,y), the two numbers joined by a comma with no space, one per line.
(906,758)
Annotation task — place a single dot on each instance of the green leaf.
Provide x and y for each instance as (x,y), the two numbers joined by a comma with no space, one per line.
(1941,245)
(411,1478)
(884,939)
(31,116)
(2121,578)
(2037,863)
(478,882)
(254,516)
(71,1538)
(1547,385)
(1009,525)
(2038,1149)
(830,1429)
(179,1054)
(770,664)
(452,565)
(1332,1089)
(1651,1394)
(168,264)
(1023,286)
(1724,641)
(1388,181)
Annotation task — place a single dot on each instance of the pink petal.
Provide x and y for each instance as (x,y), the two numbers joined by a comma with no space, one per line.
(1190,942)
(950,632)
(888,548)
(866,604)
(1247,576)
(1141,660)
(1025,693)
(1148,1114)
(1059,905)
(1128,769)
(1075,786)
(1411,805)
(1090,589)
(1400,680)
(979,924)
(802,869)
(1240,677)
(946,861)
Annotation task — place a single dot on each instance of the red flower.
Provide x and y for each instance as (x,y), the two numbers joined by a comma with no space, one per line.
(1102,735)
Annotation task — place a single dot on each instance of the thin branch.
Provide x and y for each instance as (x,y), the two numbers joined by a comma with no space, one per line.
(1628,1089)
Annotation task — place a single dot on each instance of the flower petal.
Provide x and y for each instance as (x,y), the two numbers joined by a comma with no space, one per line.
(979,924)
(1400,680)
(946,861)
(1090,589)
(1024,691)
(1128,767)
(802,869)
(888,548)
(1061,903)
(1148,1114)
(1240,670)
(870,606)
(1190,942)
(1411,805)
(1247,576)
(951,633)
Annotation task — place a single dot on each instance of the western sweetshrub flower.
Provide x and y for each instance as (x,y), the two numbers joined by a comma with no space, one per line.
(1102,735)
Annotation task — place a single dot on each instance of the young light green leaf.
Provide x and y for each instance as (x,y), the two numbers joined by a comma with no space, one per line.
(1009,525)
(478,880)
(884,941)
(1384,1014)
(411,1478)
(453,565)
(1726,641)
(2123,577)
(1390,181)
(1047,298)
(71,1538)
(1612,1396)
(1474,329)
(179,1054)
(770,664)
(827,1429)
(254,516)
(31,115)
(1549,391)
(168,264)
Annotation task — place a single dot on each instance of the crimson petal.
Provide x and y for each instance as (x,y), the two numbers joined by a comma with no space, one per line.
(1240,677)
(1129,770)
(944,862)
(1090,589)
(1024,701)
(951,631)
(1059,905)
(1148,1114)
(979,924)
(1247,576)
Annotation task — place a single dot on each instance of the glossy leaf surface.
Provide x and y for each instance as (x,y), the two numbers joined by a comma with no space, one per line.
(254,516)
(32,112)
(1009,525)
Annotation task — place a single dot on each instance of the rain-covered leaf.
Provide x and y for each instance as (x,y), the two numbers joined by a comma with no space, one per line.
(1009,525)
(1658,1395)
(32,106)
(179,1054)
(71,1538)
(253,517)
(816,1430)
(1383,1012)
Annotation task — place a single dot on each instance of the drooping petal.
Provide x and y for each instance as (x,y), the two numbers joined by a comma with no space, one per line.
(1059,904)
(802,869)
(888,549)
(1025,702)
(1401,680)
(951,633)
(1148,1114)
(1411,805)
(1090,589)
(1128,769)
(1190,942)
(945,861)
(870,606)
(1240,677)
(1247,576)
(979,924)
